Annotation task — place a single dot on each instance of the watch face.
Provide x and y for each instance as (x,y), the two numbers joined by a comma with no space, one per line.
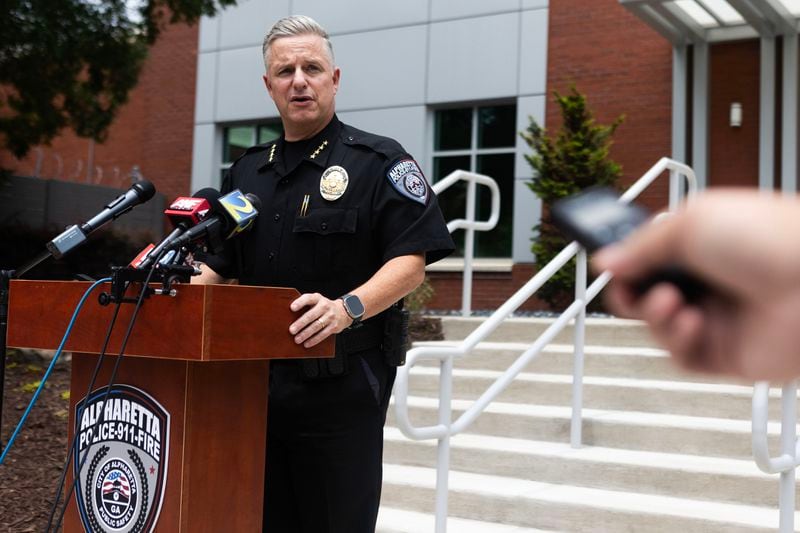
(354,306)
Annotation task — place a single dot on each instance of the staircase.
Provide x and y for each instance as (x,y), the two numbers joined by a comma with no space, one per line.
(663,450)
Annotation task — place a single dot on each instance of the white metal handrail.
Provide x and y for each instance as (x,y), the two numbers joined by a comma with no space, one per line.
(469,224)
(445,428)
(786,463)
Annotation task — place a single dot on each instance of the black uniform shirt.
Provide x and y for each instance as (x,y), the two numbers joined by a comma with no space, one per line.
(333,245)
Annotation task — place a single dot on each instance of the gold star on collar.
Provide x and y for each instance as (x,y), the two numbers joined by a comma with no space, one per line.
(319,149)
(272,152)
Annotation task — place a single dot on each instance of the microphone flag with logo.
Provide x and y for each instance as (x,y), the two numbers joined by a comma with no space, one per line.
(230,215)
(184,212)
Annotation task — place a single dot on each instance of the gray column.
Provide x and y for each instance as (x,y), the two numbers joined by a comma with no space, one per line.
(789,116)
(700,114)
(766,123)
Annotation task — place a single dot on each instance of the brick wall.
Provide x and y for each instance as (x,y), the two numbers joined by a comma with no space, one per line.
(153,130)
(624,67)
(490,290)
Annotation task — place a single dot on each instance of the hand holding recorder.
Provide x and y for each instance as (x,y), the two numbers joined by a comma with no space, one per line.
(743,245)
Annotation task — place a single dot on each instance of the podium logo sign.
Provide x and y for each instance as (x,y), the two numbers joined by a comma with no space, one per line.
(121,460)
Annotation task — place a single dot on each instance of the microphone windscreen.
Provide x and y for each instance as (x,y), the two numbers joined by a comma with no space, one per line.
(255,200)
(144,190)
(209,193)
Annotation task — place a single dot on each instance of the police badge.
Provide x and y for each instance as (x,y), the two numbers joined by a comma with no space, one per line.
(333,183)
(121,460)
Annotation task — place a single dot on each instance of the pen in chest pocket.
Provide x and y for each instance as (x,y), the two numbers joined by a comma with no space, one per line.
(304,205)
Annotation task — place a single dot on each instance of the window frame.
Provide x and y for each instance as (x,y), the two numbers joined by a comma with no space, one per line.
(254,131)
(474,152)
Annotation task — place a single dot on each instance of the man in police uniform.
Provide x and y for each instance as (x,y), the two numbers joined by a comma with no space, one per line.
(348,219)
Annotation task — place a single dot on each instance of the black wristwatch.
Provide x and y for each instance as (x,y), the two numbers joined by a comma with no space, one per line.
(354,308)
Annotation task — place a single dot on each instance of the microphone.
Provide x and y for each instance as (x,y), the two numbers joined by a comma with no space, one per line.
(139,193)
(230,215)
(184,212)
(76,235)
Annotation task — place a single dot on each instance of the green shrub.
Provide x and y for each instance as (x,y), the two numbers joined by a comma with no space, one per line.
(577,158)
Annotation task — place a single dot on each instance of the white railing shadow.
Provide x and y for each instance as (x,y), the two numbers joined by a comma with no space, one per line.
(446,427)
(469,224)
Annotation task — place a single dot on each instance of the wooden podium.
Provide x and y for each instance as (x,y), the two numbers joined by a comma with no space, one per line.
(179,444)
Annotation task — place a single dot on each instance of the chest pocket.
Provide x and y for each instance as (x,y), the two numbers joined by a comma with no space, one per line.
(326,239)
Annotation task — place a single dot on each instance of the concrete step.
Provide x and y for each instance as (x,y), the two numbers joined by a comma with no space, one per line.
(679,475)
(391,520)
(551,506)
(648,395)
(624,362)
(601,331)
(633,430)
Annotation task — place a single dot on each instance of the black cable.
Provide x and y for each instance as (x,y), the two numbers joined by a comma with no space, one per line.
(110,385)
(79,415)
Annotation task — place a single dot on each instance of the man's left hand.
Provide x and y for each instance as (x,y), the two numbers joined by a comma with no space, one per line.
(322,318)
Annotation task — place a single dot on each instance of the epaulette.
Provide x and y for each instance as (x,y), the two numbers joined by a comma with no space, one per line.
(259,148)
(385,146)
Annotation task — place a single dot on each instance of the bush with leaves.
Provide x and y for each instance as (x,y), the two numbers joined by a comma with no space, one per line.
(577,158)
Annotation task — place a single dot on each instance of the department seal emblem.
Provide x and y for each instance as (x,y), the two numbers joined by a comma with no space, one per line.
(333,183)
(121,458)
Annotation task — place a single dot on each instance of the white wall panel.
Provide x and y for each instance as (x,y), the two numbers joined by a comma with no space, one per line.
(451,9)
(206,87)
(360,15)
(381,68)
(404,124)
(527,207)
(533,52)
(534,4)
(208,34)
(241,94)
(204,164)
(527,211)
(249,22)
(474,58)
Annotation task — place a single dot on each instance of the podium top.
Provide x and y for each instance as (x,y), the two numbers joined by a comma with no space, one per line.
(202,322)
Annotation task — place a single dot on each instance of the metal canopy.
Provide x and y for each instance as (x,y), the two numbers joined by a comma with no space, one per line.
(692,26)
(685,22)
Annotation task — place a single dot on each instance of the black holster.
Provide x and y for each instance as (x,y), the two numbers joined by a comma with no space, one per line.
(395,335)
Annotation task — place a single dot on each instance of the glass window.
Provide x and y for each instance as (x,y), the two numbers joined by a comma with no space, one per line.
(478,139)
(452,129)
(497,126)
(237,139)
(269,132)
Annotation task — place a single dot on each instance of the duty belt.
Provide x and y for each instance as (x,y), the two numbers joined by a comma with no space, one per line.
(366,336)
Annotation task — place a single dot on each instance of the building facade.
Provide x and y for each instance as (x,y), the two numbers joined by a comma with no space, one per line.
(455,82)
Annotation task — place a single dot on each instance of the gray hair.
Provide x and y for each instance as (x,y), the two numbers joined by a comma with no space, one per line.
(293,26)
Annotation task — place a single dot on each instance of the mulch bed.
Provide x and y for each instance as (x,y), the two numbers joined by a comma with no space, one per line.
(33,466)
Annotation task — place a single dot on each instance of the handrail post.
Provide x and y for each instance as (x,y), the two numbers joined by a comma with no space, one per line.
(469,249)
(788,447)
(443,447)
(579,337)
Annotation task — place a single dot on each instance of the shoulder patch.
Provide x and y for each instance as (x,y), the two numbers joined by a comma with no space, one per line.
(406,177)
